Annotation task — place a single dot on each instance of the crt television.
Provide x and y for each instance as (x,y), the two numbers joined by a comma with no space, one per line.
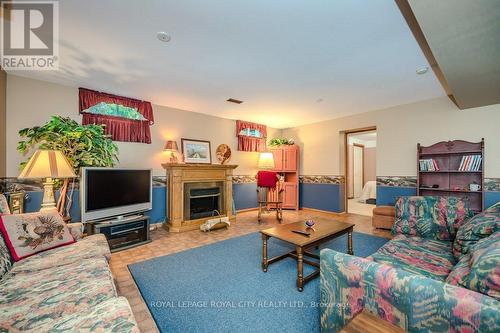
(114,192)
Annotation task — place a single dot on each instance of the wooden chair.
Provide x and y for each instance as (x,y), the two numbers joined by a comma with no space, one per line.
(269,198)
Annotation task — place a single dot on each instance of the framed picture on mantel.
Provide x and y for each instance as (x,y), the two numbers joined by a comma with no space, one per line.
(196,151)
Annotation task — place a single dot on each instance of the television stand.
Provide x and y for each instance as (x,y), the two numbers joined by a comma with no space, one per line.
(123,233)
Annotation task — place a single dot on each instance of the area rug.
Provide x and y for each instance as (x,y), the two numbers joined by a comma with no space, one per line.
(221,288)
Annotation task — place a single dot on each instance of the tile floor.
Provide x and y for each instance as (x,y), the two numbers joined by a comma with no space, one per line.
(164,243)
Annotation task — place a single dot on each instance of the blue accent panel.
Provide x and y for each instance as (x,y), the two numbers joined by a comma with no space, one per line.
(491,198)
(386,195)
(157,214)
(328,197)
(245,195)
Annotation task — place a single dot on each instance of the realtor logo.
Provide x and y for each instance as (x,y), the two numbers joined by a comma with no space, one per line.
(29,35)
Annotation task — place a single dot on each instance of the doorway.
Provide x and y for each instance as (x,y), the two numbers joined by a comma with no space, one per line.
(360,171)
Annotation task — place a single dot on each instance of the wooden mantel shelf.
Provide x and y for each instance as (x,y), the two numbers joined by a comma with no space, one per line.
(179,174)
(197,166)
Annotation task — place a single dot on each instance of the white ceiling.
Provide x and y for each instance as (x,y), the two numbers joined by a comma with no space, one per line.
(280,57)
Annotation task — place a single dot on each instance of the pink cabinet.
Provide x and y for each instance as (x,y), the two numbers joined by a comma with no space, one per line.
(290,195)
(286,163)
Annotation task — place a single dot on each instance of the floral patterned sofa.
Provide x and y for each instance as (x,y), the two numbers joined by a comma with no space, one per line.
(66,289)
(440,273)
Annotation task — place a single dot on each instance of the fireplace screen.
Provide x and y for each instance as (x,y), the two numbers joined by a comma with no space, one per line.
(202,199)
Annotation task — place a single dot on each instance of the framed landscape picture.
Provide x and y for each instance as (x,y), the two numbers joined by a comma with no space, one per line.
(196,151)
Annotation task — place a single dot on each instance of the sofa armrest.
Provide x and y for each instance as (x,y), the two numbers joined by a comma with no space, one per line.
(76,230)
(349,285)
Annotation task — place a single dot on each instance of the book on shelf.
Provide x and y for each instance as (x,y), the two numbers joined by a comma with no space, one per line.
(429,164)
(470,163)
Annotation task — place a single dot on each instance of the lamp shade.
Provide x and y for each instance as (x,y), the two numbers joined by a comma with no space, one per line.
(266,160)
(171,145)
(48,164)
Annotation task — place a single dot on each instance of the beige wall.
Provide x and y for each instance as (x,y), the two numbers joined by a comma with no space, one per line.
(3,137)
(32,102)
(399,129)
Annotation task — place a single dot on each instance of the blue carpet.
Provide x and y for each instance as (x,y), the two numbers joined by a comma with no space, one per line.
(221,287)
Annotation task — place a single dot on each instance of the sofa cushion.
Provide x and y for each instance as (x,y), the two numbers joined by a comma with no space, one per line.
(4,205)
(427,257)
(28,234)
(31,300)
(484,274)
(113,315)
(476,228)
(94,246)
(5,258)
(431,217)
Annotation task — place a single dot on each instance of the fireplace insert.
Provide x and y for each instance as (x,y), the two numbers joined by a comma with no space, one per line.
(202,199)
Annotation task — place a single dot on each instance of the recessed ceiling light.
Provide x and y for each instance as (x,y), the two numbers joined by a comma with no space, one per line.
(232,100)
(163,36)
(422,70)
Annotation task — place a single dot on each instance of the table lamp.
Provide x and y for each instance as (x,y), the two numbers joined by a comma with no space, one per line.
(266,160)
(171,146)
(48,164)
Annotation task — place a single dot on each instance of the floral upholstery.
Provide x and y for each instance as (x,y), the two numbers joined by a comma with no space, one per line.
(484,274)
(29,299)
(113,315)
(427,257)
(4,205)
(349,285)
(413,281)
(5,258)
(67,289)
(459,275)
(94,246)
(478,227)
(431,217)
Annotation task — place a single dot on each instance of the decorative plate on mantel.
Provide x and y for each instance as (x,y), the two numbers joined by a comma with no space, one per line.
(223,153)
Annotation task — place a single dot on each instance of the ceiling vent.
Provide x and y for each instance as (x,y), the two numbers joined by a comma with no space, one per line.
(232,100)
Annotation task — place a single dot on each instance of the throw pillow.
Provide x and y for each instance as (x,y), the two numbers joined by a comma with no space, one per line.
(476,228)
(28,234)
(4,205)
(484,274)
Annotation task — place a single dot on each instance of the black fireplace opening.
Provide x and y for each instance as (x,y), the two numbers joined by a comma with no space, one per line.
(203,202)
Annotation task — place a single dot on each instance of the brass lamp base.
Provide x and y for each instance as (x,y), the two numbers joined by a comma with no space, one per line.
(48,202)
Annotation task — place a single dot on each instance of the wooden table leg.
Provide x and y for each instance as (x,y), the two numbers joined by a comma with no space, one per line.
(264,252)
(349,243)
(300,268)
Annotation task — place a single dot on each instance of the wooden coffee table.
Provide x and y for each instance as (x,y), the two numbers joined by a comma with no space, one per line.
(323,231)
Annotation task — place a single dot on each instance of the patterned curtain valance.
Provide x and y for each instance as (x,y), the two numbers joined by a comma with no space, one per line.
(119,128)
(242,125)
(250,143)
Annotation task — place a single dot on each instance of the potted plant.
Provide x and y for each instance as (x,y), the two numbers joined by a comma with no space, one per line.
(280,141)
(83,145)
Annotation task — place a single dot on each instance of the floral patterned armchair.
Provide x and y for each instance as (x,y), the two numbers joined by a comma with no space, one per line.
(420,284)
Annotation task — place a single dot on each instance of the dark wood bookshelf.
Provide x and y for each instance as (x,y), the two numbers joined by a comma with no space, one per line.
(451,181)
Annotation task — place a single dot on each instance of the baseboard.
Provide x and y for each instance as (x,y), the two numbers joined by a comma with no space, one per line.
(247,210)
(322,211)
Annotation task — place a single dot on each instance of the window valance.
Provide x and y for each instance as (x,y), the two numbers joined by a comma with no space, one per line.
(247,141)
(125,119)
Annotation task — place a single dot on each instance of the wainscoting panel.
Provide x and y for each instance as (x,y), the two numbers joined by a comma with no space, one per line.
(245,195)
(387,195)
(328,197)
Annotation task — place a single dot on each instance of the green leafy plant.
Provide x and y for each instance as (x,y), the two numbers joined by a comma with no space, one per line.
(281,141)
(83,145)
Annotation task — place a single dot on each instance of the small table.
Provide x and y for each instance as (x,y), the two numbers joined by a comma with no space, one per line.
(323,231)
